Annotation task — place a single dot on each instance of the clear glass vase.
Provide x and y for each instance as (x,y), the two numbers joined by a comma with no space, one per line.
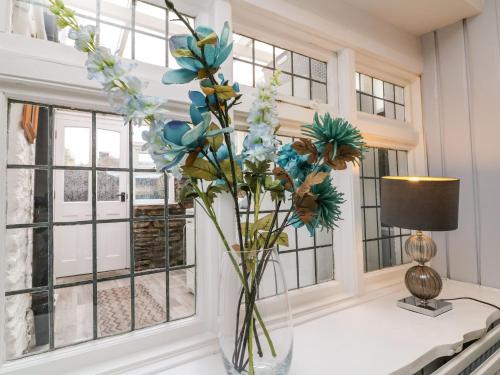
(255,327)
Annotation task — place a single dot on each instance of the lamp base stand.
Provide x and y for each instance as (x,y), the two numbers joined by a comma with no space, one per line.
(433,307)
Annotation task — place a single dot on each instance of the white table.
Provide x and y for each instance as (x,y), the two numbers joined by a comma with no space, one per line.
(377,337)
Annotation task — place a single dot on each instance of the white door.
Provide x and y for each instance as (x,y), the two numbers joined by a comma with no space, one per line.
(73,193)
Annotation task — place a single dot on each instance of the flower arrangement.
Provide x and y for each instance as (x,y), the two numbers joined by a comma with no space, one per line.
(203,152)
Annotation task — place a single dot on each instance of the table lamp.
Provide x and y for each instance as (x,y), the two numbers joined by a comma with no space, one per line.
(421,204)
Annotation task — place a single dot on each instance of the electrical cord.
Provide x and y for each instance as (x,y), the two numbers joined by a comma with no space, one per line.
(472,299)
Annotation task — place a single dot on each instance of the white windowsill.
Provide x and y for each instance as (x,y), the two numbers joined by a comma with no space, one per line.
(377,337)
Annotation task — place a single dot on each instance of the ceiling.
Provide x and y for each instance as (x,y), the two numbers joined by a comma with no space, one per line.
(415,17)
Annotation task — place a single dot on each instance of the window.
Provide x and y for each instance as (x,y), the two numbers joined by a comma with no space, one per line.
(302,76)
(307,260)
(83,260)
(134,29)
(380,97)
(383,246)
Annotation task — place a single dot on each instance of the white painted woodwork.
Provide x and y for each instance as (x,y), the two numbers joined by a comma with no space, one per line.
(460,92)
(349,341)
(414,17)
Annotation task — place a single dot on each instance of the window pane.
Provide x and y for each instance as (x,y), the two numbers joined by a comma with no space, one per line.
(26,258)
(400,112)
(301,88)
(324,237)
(368,162)
(285,87)
(262,75)
(399,93)
(263,54)
(379,107)
(150,19)
(378,88)
(108,147)
(371,220)
(301,65)
(306,268)
(370,192)
(366,84)
(393,163)
(150,299)
(149,187)
(283,60)
(388,91)
(304,238)
(113,307)
(72,253)
(150,49)
(116,39)
(77,146)
(108,186)
(389,110)
(324,263)
(24,335)
(372,256)
(356,76)
(182,291)
(242,47)
(113,249)
(243,73)
(73,315)
(28,134)
(27,196)
(149,242)
(289,264)
(181,242)
(318,70)
(76,185)
(366,103)
(403,163)
(319,92)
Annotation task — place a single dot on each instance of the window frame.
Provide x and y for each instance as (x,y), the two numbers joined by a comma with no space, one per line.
(291,73)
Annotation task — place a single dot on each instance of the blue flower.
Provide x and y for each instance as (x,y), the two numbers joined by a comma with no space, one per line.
(105,68)
(187,52)
(84,37)
(168,142)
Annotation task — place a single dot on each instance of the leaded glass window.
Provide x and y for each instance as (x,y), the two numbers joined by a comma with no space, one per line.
(97,241)
(255,61)
(383,246)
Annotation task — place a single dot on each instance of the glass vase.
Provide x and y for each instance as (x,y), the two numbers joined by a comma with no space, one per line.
(254,318)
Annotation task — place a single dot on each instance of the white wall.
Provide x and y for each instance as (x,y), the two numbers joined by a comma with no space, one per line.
(461,107)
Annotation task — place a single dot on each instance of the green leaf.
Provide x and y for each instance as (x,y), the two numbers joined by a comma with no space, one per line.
(187,192)
(201,169)
(226,168)
(263,223)
(216,141)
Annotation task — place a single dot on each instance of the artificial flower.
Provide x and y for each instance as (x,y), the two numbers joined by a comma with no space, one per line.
(84,38)
(187,51)
(324,202)
(260,144)
(332,134)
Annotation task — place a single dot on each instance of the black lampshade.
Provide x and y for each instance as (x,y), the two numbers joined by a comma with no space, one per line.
(420,203)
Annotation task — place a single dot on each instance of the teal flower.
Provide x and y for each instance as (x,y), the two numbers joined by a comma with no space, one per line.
(336,139)
(296,165)
(187,51)
(326,201)
(169,142)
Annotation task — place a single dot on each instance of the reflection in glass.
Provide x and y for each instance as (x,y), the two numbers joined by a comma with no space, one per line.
(283,60)
(26,251)
(285,87)
(150,299)
(262,75)
(182,292)
(149,240)
(242,47)
(149,186)
(76,146)
(366,84)
(319,92)
(150,49)
(324,263)
(73,315)
(301,65)
(108,186)
(28,134)
(301,88)
(108,148)
(243,73)
(26,324)
(371,256)
(263,54)
(306,268)
(116,39)
(76,185)
(150,19)
(72,253)
(318,70)
(113,307)
(27,196)
(366,103)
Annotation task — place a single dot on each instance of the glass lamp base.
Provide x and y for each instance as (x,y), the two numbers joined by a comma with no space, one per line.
(433,307)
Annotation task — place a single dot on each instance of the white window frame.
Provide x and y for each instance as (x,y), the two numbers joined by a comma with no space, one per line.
(29,74)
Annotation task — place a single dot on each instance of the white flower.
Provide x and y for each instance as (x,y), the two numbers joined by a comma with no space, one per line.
(84,37)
